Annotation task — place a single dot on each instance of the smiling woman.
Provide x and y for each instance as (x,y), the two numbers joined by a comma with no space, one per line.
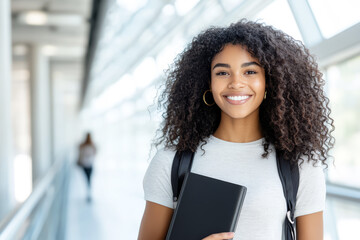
(269,103)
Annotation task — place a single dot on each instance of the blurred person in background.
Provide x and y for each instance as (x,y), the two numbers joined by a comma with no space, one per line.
(87,152)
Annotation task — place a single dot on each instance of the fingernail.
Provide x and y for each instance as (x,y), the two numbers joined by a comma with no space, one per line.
(231,234)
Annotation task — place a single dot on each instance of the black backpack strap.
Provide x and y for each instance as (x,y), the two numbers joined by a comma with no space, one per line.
(289,176)
(181,165)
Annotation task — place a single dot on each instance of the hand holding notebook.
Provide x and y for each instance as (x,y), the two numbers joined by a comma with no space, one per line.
(206,206)
(220,236)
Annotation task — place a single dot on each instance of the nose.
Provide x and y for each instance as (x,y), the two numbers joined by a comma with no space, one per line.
(236,81)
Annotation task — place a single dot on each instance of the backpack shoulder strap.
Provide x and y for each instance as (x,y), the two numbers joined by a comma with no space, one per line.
(181,165)
(289,176)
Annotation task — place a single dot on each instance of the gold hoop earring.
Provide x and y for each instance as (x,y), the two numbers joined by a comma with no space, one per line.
(205,99)
(265,95)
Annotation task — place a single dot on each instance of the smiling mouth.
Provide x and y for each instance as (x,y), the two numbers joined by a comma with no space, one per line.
(237,100)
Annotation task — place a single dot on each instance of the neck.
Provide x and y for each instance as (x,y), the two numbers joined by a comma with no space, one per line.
(240,130)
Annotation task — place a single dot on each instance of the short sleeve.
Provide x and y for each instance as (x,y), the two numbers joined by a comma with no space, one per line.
(157,179)
(312,189)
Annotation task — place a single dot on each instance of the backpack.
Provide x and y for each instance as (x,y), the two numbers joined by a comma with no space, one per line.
(289,176)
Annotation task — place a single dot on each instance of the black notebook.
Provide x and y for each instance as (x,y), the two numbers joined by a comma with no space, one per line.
(205,206)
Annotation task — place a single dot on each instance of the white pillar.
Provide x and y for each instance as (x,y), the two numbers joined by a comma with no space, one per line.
(6,142)
(40,112)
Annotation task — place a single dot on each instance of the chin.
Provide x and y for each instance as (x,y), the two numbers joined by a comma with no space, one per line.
(238,115)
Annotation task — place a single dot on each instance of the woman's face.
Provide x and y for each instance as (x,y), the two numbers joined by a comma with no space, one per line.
(237,82)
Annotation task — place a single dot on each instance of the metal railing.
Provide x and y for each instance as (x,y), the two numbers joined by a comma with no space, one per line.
(42,215)
(343,192)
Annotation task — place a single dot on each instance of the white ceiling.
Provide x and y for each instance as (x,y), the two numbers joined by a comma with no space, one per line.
(70,39)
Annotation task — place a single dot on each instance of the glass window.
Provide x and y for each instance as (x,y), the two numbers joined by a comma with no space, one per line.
(283,20)
(278,14)
(230,5)
(343,90)
(341,218)
(334,16)
(21,124)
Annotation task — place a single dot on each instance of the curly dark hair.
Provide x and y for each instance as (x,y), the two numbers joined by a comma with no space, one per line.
(295,117)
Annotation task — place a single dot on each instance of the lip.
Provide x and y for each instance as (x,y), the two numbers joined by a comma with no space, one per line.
(237,102)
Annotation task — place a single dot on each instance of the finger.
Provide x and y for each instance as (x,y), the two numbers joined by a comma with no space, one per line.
(220,236)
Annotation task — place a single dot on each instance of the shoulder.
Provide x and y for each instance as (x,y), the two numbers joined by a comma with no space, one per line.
(310,169)
(157,179)
(161,163)
(311,177)
(163,156)
(312,188)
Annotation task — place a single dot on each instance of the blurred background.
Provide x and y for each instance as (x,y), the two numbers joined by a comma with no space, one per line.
(68,67)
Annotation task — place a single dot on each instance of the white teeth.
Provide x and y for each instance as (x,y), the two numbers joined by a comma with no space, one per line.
(237,98)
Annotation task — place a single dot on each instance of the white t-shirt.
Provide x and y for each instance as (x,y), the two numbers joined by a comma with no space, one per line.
(264,208)
(87,155)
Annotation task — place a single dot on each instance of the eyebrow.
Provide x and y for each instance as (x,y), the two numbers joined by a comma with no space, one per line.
(242,65)
(221,65)
(249,64)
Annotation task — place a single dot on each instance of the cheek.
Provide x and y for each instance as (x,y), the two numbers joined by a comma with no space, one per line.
(259,86)
(216,87)
(216,90)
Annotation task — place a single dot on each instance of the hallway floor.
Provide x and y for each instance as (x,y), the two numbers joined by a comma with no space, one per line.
(117,204)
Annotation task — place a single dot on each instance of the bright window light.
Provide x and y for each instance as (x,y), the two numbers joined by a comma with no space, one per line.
(343,81)
(113,116)
(168,10)
(126,87)
(278,14)
(168,54)
(22,177)
(150,94)
(35,18)
(49,50)
(115,94)
(230,5)
(132,5)
(127,109)
(145,73)
(184,6)
(334,16)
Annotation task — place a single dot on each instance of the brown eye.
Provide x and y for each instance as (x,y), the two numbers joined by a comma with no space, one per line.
(250,72)
(221,73)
